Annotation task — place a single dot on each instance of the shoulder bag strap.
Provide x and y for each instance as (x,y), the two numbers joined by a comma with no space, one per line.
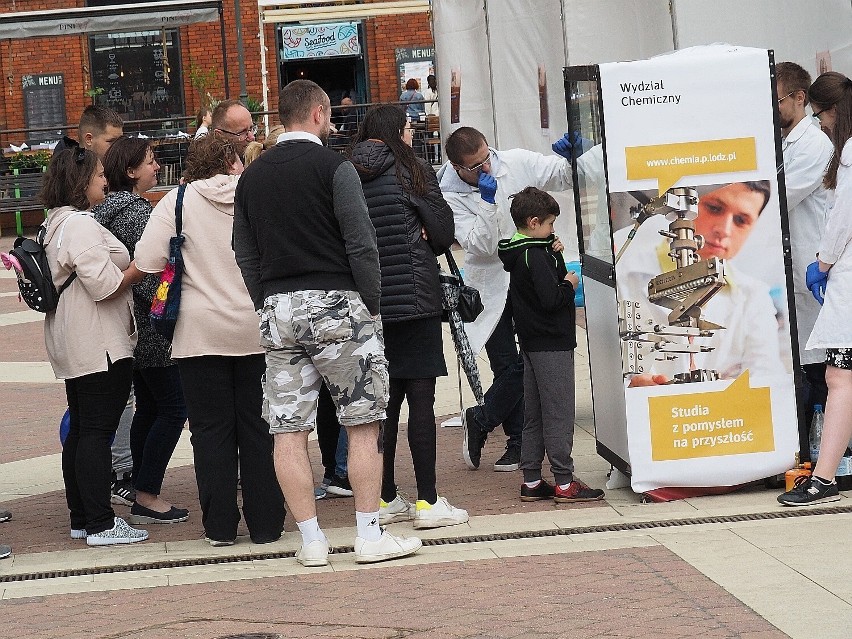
(454,269)
(40,238)
(179,209)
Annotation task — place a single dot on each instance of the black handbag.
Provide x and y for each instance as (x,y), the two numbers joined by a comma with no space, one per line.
(469,304)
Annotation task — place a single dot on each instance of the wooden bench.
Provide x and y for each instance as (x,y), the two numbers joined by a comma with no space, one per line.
(18,194)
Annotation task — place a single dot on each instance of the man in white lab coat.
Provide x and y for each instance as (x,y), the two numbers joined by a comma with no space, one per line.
(477,182)
(807,151)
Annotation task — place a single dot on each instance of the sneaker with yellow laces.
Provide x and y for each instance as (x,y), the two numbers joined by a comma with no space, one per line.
(439,514)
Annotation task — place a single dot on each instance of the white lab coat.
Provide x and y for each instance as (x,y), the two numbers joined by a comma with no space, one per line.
(744,307)
(480,225)
(833,328)
(807,151)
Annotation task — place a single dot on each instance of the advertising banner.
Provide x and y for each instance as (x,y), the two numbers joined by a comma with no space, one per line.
(320,40)
(700,277)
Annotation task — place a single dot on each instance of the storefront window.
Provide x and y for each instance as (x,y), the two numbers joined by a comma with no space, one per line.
(139,78)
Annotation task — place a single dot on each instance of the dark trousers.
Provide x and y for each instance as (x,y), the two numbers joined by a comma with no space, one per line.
(224,399)
(811,389)
(422,438)
(549,414)
(504,401)
(328,431)
(157,425)
(95,403)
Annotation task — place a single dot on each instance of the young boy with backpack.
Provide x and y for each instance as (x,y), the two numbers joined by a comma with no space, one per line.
(541,290)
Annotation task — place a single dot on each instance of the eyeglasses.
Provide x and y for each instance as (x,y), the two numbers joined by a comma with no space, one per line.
(820,112)
(476,168)
(242,135)
(409,129)
(785,97)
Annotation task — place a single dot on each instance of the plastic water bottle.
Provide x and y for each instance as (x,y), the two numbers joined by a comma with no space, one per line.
(843,476)
(816,432)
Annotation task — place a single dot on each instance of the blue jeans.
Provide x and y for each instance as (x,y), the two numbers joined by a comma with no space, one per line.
(341,457)
(504,401)
(157,425)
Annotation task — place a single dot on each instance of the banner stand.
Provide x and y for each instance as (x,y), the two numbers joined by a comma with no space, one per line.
(682,227)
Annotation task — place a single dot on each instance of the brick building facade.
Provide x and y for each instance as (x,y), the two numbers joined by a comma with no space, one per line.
(200,45)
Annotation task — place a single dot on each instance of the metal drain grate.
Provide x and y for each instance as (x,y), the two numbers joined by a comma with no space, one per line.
(445,541)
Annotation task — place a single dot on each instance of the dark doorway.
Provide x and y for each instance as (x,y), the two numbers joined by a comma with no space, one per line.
(337,76)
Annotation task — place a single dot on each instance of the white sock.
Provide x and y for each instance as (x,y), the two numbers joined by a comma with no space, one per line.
(310,531)
(368,526)
(532,484)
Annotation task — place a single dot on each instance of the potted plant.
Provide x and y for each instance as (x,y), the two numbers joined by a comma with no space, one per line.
(29,162)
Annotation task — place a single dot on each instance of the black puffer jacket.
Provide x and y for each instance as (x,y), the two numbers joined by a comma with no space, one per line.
(410,286)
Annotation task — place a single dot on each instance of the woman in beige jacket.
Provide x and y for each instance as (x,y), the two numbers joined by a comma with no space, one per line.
(89,338)
(216,346)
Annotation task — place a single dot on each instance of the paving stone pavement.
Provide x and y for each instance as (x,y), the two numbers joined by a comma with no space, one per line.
(646,592)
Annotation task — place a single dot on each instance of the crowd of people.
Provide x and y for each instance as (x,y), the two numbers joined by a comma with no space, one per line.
(311,299)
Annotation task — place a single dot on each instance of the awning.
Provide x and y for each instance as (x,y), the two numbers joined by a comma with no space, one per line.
(274,11)
(124,17)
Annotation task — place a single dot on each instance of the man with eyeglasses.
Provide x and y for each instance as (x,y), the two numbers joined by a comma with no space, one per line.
(807,151)
(233,121)
(477,182)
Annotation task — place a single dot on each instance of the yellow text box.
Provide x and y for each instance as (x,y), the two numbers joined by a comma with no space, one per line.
(667,163)
(733,421)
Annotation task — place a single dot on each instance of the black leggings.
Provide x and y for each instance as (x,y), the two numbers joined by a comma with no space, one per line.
(422,437)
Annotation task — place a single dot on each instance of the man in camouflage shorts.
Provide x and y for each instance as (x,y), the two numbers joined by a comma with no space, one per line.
(307,250)
(313,337)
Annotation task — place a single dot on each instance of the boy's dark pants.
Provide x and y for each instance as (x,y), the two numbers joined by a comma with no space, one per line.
(548,414)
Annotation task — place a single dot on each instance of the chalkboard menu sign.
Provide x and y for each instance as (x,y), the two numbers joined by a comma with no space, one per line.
(44,105)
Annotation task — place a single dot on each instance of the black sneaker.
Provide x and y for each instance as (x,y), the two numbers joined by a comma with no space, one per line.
(542,491)
(510,460)
(122,490)
(340,487)
(473,439)
(811,491)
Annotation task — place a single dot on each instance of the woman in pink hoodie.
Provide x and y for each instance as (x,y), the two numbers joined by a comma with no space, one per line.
(216,346)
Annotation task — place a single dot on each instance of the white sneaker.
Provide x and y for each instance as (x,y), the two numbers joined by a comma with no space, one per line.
(314,554)
(220,543)
(387,547)
(438,514)
(400,509)
(78,533)
(120,533)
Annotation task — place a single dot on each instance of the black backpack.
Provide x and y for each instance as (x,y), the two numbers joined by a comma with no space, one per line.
(35,282)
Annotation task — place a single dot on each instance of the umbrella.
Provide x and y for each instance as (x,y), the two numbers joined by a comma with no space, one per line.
(450,294)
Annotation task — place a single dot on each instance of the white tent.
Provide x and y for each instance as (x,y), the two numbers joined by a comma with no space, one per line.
(495,48)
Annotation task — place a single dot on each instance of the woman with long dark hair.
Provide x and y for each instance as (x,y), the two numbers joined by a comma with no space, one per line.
(830,278)
(131,170)
(413,224)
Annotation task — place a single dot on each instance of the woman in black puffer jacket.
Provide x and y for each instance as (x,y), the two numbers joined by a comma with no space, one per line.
(413,224)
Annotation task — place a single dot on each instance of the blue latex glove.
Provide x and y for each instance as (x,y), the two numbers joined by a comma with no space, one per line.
(816,281)
(487,187)
(570,145)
